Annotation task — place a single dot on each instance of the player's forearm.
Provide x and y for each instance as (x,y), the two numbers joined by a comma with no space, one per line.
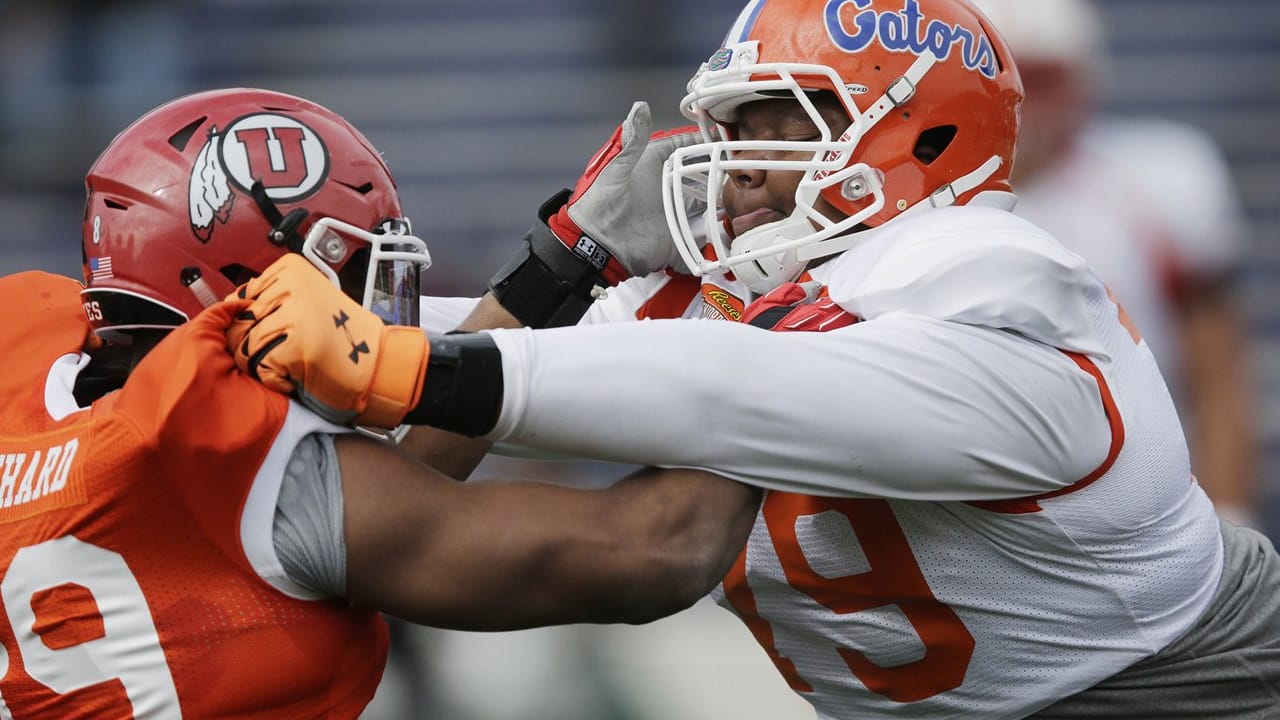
(453,454)
(1218,377)
(1005,416)
(649,546)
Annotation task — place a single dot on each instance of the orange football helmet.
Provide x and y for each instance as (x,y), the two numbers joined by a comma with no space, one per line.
(932,97)
(206,191)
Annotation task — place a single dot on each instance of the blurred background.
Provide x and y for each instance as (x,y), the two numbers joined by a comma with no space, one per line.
(484,108)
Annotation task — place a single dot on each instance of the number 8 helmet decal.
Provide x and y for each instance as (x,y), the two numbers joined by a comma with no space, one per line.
(932,98)
(207,190)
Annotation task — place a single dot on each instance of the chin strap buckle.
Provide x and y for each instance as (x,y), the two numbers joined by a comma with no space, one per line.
(284,228)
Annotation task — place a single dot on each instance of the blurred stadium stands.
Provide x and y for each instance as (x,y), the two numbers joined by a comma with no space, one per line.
(485,107)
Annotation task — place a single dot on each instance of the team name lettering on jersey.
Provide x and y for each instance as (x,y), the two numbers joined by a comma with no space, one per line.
(40,474)
(905,31)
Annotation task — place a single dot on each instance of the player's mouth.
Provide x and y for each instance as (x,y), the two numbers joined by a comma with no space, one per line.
(754,219)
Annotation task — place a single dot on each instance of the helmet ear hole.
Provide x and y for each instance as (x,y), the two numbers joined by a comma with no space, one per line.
(933,142)
(178,141)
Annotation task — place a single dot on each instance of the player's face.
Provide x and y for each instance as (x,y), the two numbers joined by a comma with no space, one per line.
(755,197)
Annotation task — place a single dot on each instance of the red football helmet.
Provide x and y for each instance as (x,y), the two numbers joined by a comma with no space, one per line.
(207,190)
(932,97)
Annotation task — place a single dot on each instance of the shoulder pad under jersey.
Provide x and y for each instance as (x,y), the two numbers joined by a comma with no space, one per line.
(44,321)
(976,266)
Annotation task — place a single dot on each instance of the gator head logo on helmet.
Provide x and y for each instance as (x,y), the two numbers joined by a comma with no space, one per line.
(286,156)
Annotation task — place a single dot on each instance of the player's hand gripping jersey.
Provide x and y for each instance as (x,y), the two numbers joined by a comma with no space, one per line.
(138,572)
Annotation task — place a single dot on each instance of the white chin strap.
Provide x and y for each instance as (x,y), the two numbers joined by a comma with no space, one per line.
(765,272)
(945,196)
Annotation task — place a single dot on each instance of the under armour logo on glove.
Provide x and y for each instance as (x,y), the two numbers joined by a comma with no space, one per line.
(281,341)
(340,320)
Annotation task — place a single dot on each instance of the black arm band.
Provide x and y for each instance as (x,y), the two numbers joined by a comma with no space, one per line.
(548,284)
(462,390)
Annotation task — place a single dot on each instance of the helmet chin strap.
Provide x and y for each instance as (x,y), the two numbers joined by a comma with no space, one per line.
(900,91)
(764,273)
(193,280)
(945,196)
(284,228)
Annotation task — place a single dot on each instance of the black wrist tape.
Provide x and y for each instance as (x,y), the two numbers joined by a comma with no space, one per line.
(462,389)
(548,284)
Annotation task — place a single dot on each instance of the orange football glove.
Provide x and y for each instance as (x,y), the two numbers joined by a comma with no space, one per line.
(304,336)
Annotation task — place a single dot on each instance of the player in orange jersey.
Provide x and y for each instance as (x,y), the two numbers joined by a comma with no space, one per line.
(193,545)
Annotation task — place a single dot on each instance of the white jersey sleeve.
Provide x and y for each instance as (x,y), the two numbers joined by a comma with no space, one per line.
(277,539)
(820,413)
(307,531)
(1010,411)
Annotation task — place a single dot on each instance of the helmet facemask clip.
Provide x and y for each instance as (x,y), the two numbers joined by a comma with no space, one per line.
(284,228)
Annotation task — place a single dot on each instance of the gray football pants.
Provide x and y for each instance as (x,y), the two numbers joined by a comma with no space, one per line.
(1226,667)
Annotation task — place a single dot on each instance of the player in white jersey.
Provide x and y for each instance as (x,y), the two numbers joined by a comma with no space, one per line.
(979,500)
(1151,206)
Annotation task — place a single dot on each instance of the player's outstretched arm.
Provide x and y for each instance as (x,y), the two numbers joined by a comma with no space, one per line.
(452,454)
(509,555)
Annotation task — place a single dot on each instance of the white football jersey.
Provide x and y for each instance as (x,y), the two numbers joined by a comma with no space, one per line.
(979,498)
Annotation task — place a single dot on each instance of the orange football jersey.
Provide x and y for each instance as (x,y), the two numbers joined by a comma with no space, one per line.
(128,583)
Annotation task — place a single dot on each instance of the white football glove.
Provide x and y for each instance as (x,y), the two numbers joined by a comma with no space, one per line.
(617,203)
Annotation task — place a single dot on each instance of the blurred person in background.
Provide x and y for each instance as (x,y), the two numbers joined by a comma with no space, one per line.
(1150,204)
